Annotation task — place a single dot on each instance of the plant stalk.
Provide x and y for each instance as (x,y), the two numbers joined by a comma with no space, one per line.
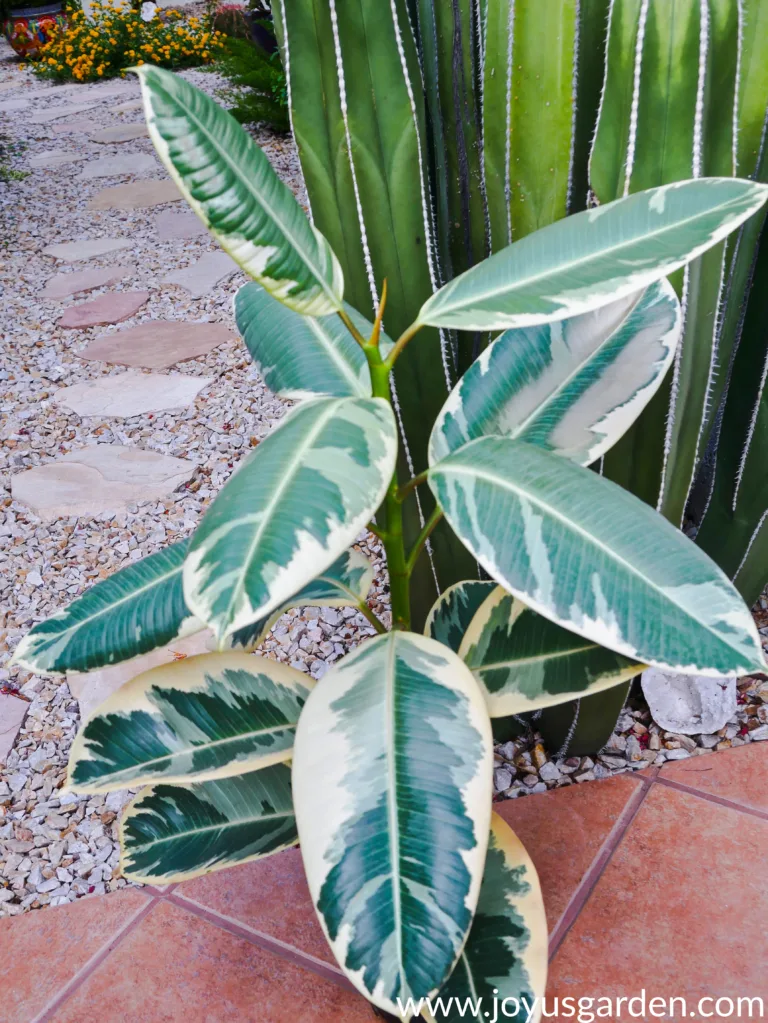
(406,488)
(422,538)
(392,533)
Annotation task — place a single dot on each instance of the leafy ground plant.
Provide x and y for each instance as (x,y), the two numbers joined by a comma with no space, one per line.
(256,91)
(418,887)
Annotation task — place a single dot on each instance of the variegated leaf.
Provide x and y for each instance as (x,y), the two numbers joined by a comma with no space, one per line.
(175,832)
(525,662)
(593,558)
(204,717)
(345,583)
(595,257)
(453,611)
(573,386)
(230,184)
(298,501)
(505,956)
(302,356)
(392,788)
(137,609)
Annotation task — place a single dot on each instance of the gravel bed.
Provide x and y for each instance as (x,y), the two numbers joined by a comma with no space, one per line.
(56,846)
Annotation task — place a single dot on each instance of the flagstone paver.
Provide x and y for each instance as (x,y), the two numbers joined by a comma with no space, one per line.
(201,278)
(120,133)
(124,108)
(118,166)
(87,248)
(157,345)
(132,394)
(138,195)
(56,158)
(11,105)
(100,478)
(73,127)
(13,710)
(66,285)
(113,307)
(171,226)
(55,113)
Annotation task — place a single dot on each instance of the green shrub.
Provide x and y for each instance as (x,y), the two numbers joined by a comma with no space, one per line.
(256,91)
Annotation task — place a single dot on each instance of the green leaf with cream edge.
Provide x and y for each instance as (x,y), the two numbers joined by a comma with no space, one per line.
(173,833)
(392,789)
(304,356)
(230,184)
(454,609)
(524,662)
(593,558)
(505,956)
(593,258)
(205,717)
(298,501)
(139,608)
(573,386)
(345,583)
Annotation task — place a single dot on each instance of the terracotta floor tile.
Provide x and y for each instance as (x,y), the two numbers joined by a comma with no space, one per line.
(177,968)
(41,951)
(270,896)
(680,910)
(564,831)
(735,774)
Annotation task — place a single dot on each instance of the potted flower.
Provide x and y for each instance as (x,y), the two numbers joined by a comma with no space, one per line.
(28,23)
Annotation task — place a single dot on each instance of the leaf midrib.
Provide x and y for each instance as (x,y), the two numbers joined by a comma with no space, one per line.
(234,167)
(561,268)
(265,515)
(203,747)
(85,623)
(590,537)
(325,338)
(179,836)
(392,816)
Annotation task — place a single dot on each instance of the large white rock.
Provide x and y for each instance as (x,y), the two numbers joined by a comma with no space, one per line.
(132,394)
(689,703)
(97,479)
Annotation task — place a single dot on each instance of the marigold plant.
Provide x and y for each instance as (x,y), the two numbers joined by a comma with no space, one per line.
(116,37)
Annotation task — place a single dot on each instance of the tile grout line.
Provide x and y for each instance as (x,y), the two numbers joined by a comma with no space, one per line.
(602,858)
(85,971)
(264,941)
(710,797)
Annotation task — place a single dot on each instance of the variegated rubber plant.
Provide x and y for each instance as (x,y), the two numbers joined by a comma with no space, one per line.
(418,887)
